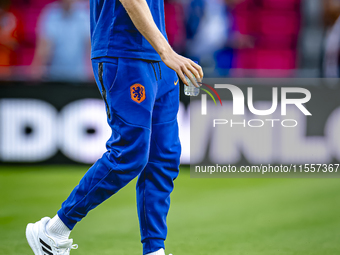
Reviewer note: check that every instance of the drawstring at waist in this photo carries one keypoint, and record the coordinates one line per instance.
(154, 70)
(160, 71)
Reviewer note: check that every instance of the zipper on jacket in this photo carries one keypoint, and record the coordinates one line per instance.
(100, 76)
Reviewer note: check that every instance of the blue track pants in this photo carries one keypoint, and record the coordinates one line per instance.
(142, 100)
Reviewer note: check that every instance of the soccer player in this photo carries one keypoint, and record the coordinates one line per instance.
(135, 70)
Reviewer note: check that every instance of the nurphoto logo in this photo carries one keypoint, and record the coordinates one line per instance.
(239, 105)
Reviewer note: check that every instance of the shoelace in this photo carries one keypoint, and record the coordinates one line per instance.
(66, 250)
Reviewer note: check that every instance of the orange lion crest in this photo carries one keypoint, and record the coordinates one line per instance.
(137, 93)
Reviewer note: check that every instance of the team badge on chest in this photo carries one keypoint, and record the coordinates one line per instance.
(137, 92)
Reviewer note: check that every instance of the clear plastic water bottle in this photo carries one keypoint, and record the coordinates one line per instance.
(191, 90)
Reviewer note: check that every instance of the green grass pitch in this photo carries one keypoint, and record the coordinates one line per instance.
(207, 216)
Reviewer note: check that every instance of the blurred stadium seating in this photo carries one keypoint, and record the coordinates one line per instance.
(288, 35)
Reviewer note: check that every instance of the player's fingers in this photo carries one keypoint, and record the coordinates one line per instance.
(198, 68)
(191, 77)
(195, 73)
(182, 77)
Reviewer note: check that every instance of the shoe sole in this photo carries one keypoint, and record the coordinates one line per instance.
(32, 240)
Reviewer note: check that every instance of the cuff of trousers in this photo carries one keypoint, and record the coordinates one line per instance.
(152, 245)
(69, 223)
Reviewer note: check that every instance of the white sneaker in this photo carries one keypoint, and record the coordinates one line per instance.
(43, 244)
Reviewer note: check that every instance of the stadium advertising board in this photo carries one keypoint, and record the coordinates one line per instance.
(255, 122)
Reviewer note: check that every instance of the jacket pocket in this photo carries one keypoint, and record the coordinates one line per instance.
(104, 93)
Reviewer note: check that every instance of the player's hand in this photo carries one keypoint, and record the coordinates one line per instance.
(183, 66)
